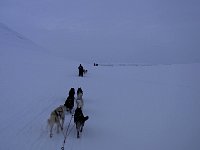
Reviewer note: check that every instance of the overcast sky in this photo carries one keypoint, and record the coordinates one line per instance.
(148, 31)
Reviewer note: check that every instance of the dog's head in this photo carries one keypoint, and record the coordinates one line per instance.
(79, 90)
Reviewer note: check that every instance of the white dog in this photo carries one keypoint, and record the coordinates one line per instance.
(79, 100)
(57, 117)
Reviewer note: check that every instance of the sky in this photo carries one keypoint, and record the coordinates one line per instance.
(129, 107)
(133, 31)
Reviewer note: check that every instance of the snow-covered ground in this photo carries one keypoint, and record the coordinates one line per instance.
(130, 107)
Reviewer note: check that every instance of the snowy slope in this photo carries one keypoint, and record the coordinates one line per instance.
(130, 107)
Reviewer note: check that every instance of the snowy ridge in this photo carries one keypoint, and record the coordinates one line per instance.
(6, 31)
(11, 37)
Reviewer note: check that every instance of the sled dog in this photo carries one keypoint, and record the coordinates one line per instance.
(79, 120)
(85, 71)
(79, 100)
(57, 117)
(79, 125)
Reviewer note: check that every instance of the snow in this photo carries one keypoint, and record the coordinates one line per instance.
(154, 107)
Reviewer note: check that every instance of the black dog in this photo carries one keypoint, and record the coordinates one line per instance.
(85, 71)
(79, 120)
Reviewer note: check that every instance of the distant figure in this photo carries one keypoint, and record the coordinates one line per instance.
(95, 64)
(81, 70)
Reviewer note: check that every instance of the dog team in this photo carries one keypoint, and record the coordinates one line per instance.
(57, 116)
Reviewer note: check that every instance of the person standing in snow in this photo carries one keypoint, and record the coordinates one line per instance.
(81, 70)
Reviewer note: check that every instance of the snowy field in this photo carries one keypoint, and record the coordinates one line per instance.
(130, 107)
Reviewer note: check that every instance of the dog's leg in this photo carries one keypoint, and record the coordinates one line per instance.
(78, 126)
(77, 132)
(57, 124)
(62, 123)
(51, 134)
(51, 128)
(81, 128)
(78, 136)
